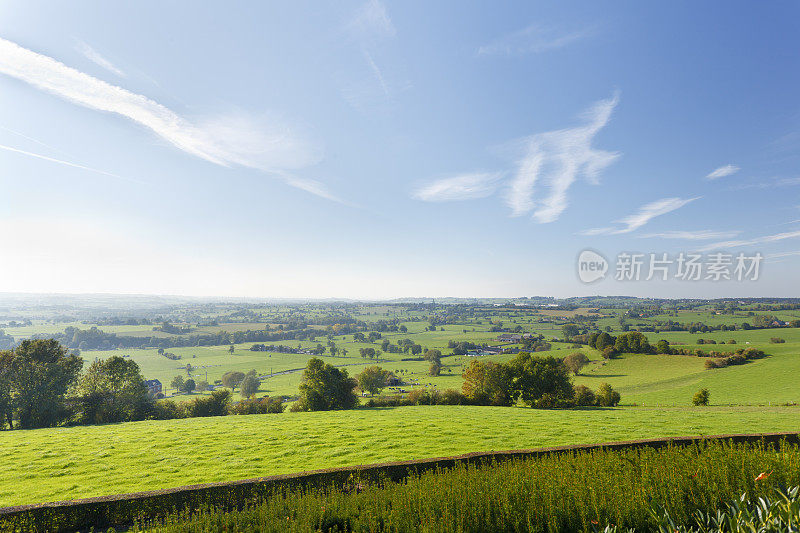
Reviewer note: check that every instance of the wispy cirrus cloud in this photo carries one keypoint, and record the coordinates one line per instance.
(784, 254)
(226, 140)
(699, 235)
(371, 21)
(766, 239)
(534, 39)
(462, 187)
(369, 26)
(64, 162)
(94, 56)
(722, 172)
(642, 216)
(554, 160)
(769, 184)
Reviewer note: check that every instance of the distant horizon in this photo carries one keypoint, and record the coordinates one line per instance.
(373, 300)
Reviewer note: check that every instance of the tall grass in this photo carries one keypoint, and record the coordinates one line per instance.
(581, 491)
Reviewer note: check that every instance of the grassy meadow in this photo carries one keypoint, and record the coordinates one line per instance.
(77, 462)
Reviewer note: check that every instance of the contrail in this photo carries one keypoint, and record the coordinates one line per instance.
(67, 163)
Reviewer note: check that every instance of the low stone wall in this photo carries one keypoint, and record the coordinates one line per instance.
(122, 509)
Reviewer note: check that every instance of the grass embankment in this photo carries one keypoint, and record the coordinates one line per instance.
(80, 462)
(581, 492)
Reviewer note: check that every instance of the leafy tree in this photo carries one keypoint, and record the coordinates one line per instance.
(701, 397)
(113, 390)
(435, 369)
(663, 346)
(434, 356)
(569, 330)
(41, 371)
(326, 387)
(250, 385)
(488, 383)
(606, 396)
(232, 379)
(202, 386)
(539, 379)
(603, 340)
(188, 386)
(177, 383)
(576, 361)
(584, 396)
(632, 342)
(6, 406)
(372, 379)
(231, 348)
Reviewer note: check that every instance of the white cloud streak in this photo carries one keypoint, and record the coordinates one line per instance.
(784, 254)
(767, 239)
(94, 56)
(557, 159)
(699, 235)
(223, 140)
(722, 172)
(371, 21)
(65, 163)
(645, 214)
(533, 39)
(463, 187)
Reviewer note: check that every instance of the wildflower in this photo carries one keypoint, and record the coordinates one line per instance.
(763, 475)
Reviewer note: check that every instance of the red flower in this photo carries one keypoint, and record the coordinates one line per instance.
(763, 475)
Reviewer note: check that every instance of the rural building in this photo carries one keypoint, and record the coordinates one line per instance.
(153, 386)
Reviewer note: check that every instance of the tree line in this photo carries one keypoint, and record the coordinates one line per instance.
(539, 382)
(41, 385)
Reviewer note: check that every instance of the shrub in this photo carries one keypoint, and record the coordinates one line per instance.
(576, 361)
(452, 397)
(419, 397)
(609, 352)
(257, 406)
(216, 404)
(584, 396)
(776, 340)
(607, 397)
(167, 410)
(701, 397)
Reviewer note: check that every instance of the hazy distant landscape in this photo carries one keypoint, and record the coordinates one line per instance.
(171, 339)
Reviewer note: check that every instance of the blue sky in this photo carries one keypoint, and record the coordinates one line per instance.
(377, 149)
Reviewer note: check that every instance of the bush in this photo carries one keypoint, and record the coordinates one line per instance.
(419, 397)
(452, 397)
(701, 397)
(215, 404)
(584, 396)
(776, 340)
(609, 352)
(607, 397)
(257, 406)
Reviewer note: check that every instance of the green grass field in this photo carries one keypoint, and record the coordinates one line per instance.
(66, 463)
